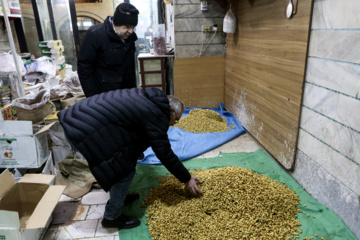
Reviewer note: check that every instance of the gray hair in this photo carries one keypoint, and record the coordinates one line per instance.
(176, 104)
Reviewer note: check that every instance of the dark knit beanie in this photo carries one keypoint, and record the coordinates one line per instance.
(125, 14)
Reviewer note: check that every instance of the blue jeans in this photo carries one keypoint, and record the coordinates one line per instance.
(118, 193)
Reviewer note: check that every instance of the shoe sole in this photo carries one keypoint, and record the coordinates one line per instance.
(131, 226)
(123, 227)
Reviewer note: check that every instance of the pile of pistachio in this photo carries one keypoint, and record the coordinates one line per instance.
(202, 121)
(237, 203)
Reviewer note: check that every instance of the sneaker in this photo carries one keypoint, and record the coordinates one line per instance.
(122, 222)
(131, 197)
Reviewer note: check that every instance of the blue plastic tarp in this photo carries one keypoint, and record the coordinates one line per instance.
(187, 145)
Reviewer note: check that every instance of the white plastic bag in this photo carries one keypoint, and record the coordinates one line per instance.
(34, 101)
(7, 63)
(229, 24)
(46, 65)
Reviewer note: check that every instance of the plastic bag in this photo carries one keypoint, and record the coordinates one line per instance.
(34, 78)
(65, 86)
(36, 108)
(11, 79)
(229, 24)
(73, 83)
(46, 65)
(39, 100)
(8, 64)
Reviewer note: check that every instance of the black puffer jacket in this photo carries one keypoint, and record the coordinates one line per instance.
(106, 62)
(112, 129)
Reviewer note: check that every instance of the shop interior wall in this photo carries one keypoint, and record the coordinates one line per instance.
(199, 82)
(327, 162)
(190, 40)
(199, 56)
(328, 152)
(264, 72)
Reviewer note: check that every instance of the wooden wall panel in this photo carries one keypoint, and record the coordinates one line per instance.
(264, 72)
(199, 81)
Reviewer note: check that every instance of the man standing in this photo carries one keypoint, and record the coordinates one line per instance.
(111, 129)
(107, 55)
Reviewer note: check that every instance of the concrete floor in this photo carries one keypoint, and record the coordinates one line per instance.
(87, 221)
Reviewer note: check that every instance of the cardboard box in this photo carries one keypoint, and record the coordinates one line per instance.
(60, 61)
(56, 55)
(43, 44)
(20, 147)
(46, 168)
(57, 49)
(54, 43)
(26, 207)
(45, 51)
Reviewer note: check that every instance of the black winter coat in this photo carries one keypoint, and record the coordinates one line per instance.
(112, 129)
(106, 62)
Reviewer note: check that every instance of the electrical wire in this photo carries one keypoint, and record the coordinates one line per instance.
(225, 44)
(202, 44)
(208, 43)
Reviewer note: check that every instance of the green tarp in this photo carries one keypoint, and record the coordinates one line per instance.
(321, 220)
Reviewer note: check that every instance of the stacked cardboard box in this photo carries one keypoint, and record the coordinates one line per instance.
(54, 49)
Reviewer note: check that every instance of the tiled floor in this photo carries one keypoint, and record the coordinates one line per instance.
(87, 221)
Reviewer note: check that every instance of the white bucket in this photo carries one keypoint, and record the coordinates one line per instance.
(68, 70)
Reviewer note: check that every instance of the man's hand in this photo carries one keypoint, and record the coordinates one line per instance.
(192, 187)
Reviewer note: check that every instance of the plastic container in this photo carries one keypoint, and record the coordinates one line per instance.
(68, 70)
(159, 40)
